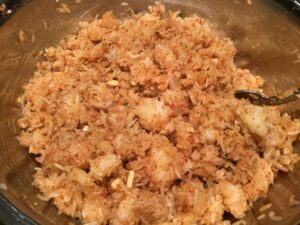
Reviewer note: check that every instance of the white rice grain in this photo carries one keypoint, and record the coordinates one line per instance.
(240, 222)
(130, 179)
(262, 216)
(116, 183)
(21, 36)
(3, 187)
(60, 167)
(124, 4)
(63, 8)
(296, 61)
(274, 217)
(45, 25)
(42, 197)
(294, 52)
(265, 207)
(293, 202)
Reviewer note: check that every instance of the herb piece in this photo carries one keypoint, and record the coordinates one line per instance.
(227, 158)
(126, 104)
(181, 14)
(205, 185)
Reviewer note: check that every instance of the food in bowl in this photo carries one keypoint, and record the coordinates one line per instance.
(135, 122)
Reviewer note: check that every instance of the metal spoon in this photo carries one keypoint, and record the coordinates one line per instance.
(257, 98)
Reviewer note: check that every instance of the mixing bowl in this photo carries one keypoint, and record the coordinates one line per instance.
(266, 35)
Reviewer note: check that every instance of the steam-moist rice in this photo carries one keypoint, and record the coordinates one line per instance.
(135, 122)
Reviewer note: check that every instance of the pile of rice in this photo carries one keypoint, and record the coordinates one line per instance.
(135, 122)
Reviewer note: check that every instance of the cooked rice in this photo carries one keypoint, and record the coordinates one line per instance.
(293, 202)
(45, 25)
(32, 38)
(294, 51)
(124, 4)
(130, 179)
(262, 216)
(272, 216)
(297, 61)
(22, 36)
(240, 222)
(63, 8)
(265, 207)
(135, 122)
(3, 187)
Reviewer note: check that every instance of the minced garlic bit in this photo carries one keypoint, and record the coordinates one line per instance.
(113, 83)
(130, 179)
(85, 128)
(3, 187)
(63, 8)
(116, 183)
(78, 1)
(249, 2)
(21, 36)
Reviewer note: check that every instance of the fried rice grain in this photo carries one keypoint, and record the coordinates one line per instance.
(135, 122)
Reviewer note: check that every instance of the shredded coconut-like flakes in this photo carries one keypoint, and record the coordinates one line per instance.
(45, 25)
(42, 197)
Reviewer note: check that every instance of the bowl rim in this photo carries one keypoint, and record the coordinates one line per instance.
(9, 214)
